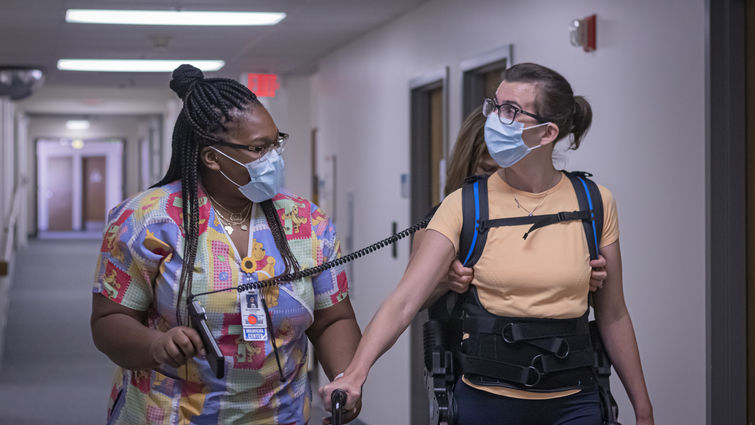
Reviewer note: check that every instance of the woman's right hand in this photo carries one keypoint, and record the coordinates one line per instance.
(459, 277)
(176, 346)
(350, 384)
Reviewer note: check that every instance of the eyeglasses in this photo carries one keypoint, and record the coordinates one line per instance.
(507, 112)
(279, 145)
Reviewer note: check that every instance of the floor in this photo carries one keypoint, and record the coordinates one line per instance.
(51, 373)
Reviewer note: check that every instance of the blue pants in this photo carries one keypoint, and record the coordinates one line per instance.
(477, 407)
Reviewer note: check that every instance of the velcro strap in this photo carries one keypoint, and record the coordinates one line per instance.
(523, 331)
(558, 346)
(549, 363)
(522, 375)
(514, 331)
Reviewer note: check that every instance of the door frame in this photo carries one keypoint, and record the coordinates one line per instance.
(419, 129)
(471, 69)
(726, 213)
(419, 107)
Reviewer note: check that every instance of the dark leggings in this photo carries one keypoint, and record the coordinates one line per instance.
(481, 407)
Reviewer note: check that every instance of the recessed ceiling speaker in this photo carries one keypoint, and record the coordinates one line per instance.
(19, 82)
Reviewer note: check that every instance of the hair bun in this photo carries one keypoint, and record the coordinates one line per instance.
(184, 77)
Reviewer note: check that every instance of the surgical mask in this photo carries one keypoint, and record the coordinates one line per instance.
(504, 141)
(265, 176)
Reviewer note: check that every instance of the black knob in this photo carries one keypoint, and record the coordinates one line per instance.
(337, 400)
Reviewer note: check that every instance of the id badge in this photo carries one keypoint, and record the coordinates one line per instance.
(253, 320)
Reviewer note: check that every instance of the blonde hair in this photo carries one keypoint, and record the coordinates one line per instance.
(468, 149)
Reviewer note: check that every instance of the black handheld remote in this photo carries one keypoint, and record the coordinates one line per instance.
(199, 323)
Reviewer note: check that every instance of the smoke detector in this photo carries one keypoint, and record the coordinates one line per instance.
(19, 82)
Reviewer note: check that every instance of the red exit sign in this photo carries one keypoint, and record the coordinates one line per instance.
(263, 85)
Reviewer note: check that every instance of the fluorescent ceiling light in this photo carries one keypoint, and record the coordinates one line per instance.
(172, 17)
(134, 65)
(77, 124)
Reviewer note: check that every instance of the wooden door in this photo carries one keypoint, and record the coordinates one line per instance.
(427, 176)
(436, 144)
(60, 192)
(492, 79)
(93, 197)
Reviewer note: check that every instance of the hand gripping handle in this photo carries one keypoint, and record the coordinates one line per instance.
(338, 401)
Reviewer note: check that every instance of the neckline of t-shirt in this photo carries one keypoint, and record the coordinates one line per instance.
(532, 195)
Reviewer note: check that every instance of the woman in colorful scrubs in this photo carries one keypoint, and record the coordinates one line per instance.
(218, 219)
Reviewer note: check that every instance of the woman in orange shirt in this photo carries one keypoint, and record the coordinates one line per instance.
(539, 283)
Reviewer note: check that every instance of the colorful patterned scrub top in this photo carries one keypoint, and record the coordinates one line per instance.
(139, 267)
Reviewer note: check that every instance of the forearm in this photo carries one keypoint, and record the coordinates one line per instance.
(438, 292)
(125, 341)
(336, 345)
(397, 311)
(621, 345)
(392, 318)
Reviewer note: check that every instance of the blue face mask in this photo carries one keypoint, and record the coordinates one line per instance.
(505, 142)
(265, 176)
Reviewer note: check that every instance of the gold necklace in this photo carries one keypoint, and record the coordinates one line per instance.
(228, 225)
(519, 204)
(237, 219)
(235, 216)
(529, 212)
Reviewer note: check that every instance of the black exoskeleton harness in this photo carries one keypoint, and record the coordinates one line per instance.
(541, 355)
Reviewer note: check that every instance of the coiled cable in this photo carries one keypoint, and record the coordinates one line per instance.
(290, 277)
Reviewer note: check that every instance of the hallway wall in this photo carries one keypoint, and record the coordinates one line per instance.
(8, 160)
(647, 144)
(8, 171)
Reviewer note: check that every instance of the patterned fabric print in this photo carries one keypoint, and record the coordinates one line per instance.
(139, 267)
(326, 251)
(221, 265)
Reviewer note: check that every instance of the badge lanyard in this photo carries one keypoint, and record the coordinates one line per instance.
(256, 322)
(253, 317)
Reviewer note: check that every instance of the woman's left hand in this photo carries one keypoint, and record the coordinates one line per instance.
(353, 388)
(649, 421)
(598, 273)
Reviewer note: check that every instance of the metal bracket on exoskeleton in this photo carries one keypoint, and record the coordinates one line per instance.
(439, 376)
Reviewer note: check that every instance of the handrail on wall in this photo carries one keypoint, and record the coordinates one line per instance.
(9, 228)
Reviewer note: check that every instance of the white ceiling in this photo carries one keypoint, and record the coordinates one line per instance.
(35, 33)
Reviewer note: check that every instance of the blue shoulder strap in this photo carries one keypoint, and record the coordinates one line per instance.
(589, 198)
(474, 197)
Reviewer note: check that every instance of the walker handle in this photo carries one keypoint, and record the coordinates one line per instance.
(337, 403)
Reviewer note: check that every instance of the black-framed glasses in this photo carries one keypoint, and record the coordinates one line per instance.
(279, 145)
(506, 112)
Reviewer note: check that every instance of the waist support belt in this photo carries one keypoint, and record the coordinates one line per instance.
(526, 353)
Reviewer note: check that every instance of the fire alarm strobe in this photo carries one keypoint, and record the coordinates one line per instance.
(582, 33)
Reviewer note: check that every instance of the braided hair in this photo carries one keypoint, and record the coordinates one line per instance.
(207, 107)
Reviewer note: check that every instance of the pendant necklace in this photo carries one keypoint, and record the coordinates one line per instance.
(237, 219)
(529, 212)
(519, 204)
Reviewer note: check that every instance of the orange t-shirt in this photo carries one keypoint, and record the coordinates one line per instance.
(545, 276)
